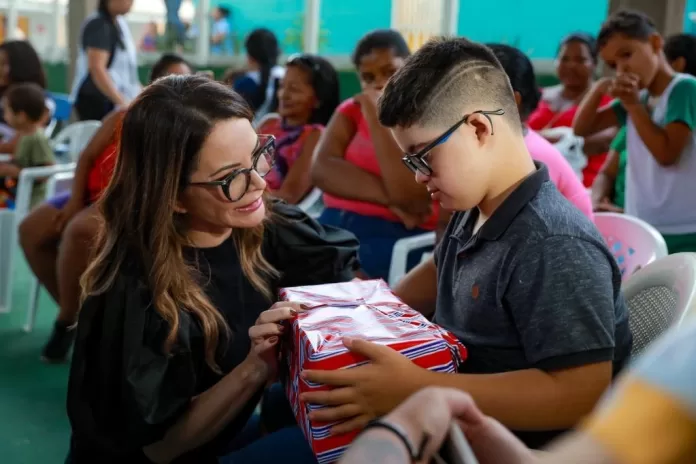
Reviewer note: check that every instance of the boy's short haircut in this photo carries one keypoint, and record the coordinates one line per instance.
(630, 23)
(442, 81)
(27, 98)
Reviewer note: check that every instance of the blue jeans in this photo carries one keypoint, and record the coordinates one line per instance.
(377, 237)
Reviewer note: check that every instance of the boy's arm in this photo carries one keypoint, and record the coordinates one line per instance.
(590, 118)
(9, 170)
(667, 143)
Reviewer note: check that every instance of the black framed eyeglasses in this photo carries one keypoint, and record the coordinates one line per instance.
(416, 162)
(235, 184)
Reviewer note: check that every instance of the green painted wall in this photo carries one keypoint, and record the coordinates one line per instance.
(57, 79)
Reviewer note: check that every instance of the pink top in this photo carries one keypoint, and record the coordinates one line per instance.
(289, 144)
(560, 171)
(361, 153)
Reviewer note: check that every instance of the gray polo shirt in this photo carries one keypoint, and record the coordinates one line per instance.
(535, 287)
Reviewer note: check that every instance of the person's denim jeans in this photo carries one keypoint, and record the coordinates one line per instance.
(173, 19)
(377, 237)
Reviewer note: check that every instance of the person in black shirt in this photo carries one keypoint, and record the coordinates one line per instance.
(175, 339)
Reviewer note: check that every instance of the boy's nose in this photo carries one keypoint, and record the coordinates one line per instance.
(422, 178)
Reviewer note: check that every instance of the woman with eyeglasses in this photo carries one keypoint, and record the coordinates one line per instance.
(178, 334)
(308, 96)
(357, 164)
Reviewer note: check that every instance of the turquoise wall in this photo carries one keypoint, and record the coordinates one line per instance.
(536, 26)
(689, 26)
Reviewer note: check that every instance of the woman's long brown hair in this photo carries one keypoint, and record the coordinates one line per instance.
(161, 136)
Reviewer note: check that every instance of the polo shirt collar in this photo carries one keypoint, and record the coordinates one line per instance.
(503, 216)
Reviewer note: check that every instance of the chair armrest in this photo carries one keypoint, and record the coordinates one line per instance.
(400, 254)
(25, 184)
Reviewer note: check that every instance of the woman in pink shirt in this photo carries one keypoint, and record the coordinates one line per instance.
(521, 73)
(357, 164)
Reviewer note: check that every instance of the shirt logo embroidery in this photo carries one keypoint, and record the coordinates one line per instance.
(475, 291)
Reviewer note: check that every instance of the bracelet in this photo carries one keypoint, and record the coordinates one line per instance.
(416, 455)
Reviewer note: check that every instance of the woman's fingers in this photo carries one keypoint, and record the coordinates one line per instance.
(279, 312)
(265, 330)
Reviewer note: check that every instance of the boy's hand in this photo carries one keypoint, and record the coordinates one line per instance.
(365, 392)
(603, 85)
(626, 87)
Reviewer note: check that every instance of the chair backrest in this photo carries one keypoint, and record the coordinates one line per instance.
(76, 136)
(59, 183)
(312, 203)
(401, 250)
(633, 242)
(659, 296)
(63, 107)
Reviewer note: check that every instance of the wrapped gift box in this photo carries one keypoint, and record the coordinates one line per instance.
(360, 309)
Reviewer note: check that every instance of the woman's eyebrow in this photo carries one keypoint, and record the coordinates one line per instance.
(224, 168)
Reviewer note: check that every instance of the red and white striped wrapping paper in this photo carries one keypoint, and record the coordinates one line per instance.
(361, 309)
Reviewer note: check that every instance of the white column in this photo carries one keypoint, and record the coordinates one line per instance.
(394, 14)
(12, 18)
(312, 20)
(203, 22)
(450, 17)
(54, 31)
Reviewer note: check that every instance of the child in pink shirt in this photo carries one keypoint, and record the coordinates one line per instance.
(521, 73)
(560, 171)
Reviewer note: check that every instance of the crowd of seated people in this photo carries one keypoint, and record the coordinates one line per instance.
(182, 226)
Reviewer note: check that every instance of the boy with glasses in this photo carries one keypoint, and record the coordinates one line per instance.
(521, 276)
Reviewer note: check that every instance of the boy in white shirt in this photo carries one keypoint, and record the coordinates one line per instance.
(658, 107)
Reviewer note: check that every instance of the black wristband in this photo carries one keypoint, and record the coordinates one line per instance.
(416, 455)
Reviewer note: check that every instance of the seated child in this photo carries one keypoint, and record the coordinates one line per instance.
(522, 277)
(658, 107)
(24, 108)
(307, 97)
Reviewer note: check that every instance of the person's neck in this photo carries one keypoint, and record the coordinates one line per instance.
(663, 77)
(207, 237)
(28, 129)
(517, 166)
(253, 66)
(296, 121)
(574, 93)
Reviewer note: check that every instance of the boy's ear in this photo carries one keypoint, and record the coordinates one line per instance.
(656, 42)
(482, 126)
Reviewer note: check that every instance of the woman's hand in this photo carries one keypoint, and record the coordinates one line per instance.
(606, 206)
(266, 333)
(69, 211)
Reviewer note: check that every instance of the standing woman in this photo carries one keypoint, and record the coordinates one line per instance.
(575, 65)
(258, 85)
(106, 75)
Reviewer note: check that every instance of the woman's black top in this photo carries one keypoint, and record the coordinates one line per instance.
(124, 392)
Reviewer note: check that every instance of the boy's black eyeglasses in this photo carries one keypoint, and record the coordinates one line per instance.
(235, 184)
(416, 161)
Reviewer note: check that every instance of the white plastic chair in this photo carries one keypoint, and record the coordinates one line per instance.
(10, 220)
(312, 203)
(58, 183)
(402, 248)
(75, 137)
(633, 242)
(660, 296)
